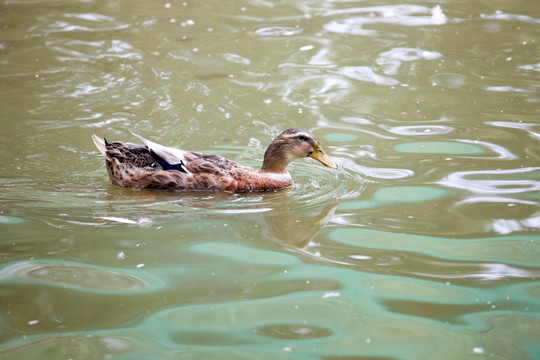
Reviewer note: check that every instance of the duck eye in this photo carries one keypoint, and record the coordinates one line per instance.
(302, 138)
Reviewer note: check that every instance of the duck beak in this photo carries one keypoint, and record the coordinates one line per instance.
(319, 155)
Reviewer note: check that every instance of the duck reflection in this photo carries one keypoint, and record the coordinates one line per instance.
(295, 224)
(290, 219)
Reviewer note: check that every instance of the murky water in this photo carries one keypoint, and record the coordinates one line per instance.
(424, 244)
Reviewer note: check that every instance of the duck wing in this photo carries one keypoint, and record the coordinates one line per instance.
(168, 157)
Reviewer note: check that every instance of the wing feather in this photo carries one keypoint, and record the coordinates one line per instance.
(170, 155)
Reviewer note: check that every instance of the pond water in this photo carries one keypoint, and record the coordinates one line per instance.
(424, 244)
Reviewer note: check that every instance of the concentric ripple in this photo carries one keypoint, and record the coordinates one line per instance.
(78, 276)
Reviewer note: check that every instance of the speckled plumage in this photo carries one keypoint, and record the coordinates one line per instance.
(142, 167)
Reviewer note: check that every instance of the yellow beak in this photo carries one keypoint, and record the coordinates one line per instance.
(319, 155)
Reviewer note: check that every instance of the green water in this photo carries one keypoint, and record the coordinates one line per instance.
(424, 244)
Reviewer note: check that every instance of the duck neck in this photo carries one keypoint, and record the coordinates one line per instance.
(275, 161)
(274, 168)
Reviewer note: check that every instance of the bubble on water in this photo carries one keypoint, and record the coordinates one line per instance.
(144, 222)
(330, 294)
(306, 48)
(478, 350)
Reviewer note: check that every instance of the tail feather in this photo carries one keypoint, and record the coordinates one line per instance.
(100, 144)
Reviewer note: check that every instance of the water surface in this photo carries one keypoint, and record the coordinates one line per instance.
(424, 244)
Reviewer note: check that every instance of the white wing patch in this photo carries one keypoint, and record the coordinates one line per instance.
(171, 155)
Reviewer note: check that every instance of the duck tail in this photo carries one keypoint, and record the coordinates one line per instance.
(101, 144)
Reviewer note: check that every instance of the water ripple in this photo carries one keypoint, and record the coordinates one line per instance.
(497, 182)
(500, 15)
(407, 15)
(277, 30)
(364, 73)
(532, 129)
(83, 22)
(293, 331)
(354, 172)
(419, 130)
(78, 276)
(518, 251)
(392, 59)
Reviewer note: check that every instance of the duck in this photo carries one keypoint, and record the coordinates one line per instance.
(157, 167)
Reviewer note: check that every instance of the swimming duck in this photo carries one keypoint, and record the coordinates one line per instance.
(154, 166)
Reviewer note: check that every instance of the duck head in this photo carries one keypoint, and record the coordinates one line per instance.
(290, 145)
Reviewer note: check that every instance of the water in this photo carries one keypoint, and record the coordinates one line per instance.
(424, 244)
